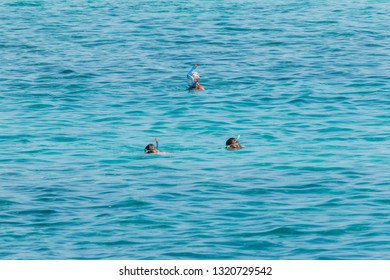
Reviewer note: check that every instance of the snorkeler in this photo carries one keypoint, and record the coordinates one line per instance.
(232, 144)
(193, 78)
(153, 149)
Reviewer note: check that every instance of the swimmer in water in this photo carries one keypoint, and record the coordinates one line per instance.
(153, 149)
(193, 78)
(232, 144)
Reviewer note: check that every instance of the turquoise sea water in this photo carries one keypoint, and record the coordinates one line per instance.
(86, 85)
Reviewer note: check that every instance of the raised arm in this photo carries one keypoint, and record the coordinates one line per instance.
(189, 74)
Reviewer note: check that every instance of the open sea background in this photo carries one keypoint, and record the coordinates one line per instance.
(86, 85)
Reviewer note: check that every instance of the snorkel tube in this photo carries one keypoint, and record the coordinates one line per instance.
(156, 139)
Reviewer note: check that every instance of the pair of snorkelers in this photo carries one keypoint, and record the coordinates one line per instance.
(193, 78)
(232, 144)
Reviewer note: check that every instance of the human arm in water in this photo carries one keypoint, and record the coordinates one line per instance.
(189, 76)
(192, 70)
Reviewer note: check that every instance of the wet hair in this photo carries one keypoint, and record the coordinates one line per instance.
(232, 144)
(151, 149)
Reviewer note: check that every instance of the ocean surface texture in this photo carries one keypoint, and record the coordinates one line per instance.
(86, 85)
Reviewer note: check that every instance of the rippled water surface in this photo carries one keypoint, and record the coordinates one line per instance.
(86, 85)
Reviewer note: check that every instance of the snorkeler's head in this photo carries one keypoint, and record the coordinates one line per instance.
(232, 144)
(151, 149)
(196, 76)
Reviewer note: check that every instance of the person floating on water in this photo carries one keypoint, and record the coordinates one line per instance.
(232, 144)
(153, 149)
(193, 78)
